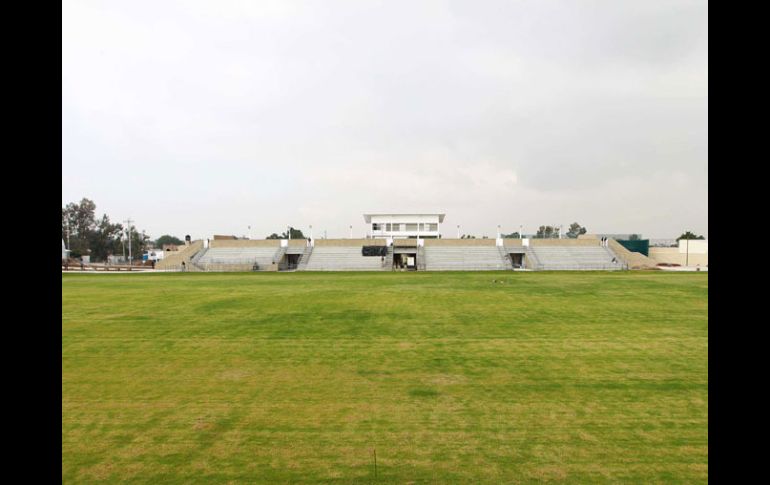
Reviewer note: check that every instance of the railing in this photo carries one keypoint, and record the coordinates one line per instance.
(582, 267)
(507, 261)
(305, 258)
(220, 265)
(278, 257)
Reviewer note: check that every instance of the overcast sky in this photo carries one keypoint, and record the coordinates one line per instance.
(204, 118)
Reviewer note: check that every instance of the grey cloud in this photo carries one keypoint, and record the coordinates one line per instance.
(268, 113)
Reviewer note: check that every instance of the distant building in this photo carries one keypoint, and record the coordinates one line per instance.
(427, 226)
(153, 255)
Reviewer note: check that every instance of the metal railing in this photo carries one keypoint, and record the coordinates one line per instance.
(581, 267)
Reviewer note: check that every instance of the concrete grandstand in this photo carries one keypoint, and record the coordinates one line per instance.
(396, 247)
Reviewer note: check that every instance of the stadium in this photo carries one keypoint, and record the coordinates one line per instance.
(413, 242)
(212, 333)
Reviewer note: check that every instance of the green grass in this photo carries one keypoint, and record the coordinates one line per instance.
(453, 378)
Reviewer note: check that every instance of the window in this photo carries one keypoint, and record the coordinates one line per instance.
(411, 227)
(376, 226)
(432, 227)
(422, 226)
(387, 227)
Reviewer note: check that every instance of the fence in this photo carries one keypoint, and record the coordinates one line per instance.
(581, 267)
(230, 265)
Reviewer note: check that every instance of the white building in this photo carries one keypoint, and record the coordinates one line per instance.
(404, 225)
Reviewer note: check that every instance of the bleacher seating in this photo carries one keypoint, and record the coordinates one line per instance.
(575, 258)
(263, 256)
(459, 258)
(341, 258)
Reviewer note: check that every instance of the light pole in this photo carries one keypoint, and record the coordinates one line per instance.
(458, 231)
(128, 228)
(68, 234)
(288, 231)
(311, 231)
(351, 231)
(521, 231)
(249, 232)
(687, 254)
(498, 231)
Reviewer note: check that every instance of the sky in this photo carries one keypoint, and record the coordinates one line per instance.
(202, 117)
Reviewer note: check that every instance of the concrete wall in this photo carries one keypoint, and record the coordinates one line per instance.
(673, 256)
(246, 243)
(632, 259)
(696, 246)
(510, 242)
(349, 242)
(459, 242)
(297, 243)
(408, 243)
(564, 242)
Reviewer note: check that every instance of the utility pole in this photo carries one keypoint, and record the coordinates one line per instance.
(68, 234)
(687, 255)
(128, 228)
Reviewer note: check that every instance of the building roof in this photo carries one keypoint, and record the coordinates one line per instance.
(368, 217)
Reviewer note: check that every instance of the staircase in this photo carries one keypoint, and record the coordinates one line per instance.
(505, 257)
(535, 263)
(195, 259)
(278, 257)
(173, 260)
(305, 258)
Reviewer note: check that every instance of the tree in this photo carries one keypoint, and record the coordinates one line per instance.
(467, 236)
(138, 243)
(79, 220)
(634, 237)
(689, 235)
(104, 239)
(167, 239)
(295, 234)
(546, 232)
(575, 230)
(513, 235)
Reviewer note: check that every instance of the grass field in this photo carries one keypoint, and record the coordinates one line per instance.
(450, 377)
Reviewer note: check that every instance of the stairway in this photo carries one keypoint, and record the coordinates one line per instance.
(536, 264)
(278, 257)
(305, 258)
(505, 257)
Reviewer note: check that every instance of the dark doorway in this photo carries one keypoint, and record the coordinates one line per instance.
(517, 260)
(292, 260)
(405, 261)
